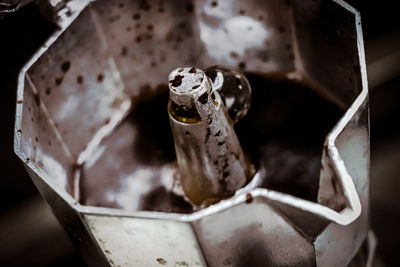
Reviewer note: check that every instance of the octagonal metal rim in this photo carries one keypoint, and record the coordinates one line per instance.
(343, 217)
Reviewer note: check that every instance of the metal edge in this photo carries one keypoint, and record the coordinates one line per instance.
(338, 163)
(20, 97)
(343, 218)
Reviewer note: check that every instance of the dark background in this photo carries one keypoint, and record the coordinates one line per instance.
(30, 235)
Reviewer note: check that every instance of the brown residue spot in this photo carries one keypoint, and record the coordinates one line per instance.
(203, 98)
(107, 251)
(144, 5)
(180, 70)
(182, 263)
(177, 80)
(37, 99)
(153, 64)
(208, 133)
(161, 10)
(36, 139)
(225, 174)
(220, 143)
(242, 12)
(228, 261)
(288, 46)
(192, 70)
(43, 77)
(260, 17)
(138, 39)
(189, 8)
(59, 81)
(79, 79)
(264, 55)
(20, 102)
(65, 66)
(100, 78)
(214, 3)
(136, 16)
(27, 160)
(161, 261)
(233, 54)
(106, 121)
(121, 5)
(150, 27)
(291, 56)
(196, 86)
(124, 51)
(169, 36)
(242, 65)
(187, 132)
(281, 29)
(48, 91)
(19, 131)
(249, 198)
(128, 29)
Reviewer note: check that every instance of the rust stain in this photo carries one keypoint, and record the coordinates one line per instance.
(161, 261)
(249, 198)
(177, 80)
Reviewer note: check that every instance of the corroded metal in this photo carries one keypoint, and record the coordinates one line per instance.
(92, 146)
(210, 159)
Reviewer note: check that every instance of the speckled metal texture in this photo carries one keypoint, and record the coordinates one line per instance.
(78, 108)
(209, 156)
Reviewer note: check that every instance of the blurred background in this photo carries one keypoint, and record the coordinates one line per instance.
(31, 236)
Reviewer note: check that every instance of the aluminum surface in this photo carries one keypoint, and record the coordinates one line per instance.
(110, 60)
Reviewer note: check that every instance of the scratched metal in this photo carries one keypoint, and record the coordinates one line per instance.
(79, 90)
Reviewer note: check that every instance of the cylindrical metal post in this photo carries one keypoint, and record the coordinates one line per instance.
(210, 158)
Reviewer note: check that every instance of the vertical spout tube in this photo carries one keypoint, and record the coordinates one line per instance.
(210, 158)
